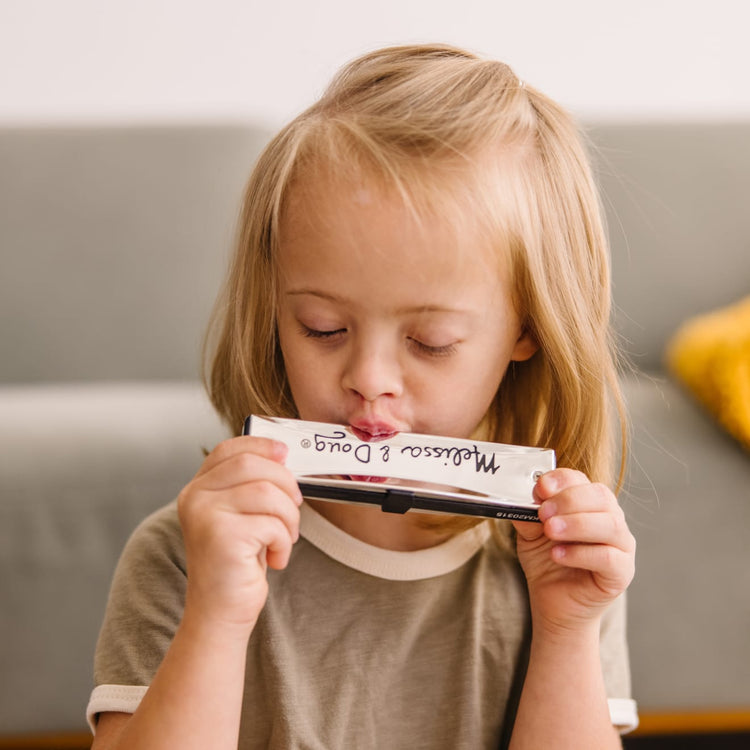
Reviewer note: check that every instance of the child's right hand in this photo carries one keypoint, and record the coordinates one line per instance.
(239, 514)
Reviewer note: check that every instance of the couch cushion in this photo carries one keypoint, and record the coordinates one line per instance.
(687, 504)
(80, 467)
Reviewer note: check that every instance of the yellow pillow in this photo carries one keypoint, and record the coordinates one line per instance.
(710, 355)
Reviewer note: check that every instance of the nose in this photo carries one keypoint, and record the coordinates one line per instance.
(373, 371)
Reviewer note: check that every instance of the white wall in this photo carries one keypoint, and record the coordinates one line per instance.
(145, 60)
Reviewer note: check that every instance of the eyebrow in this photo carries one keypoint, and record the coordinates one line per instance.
(304, 291)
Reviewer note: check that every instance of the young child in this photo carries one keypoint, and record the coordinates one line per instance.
(422, 250)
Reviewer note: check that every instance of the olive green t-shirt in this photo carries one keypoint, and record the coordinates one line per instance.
(356, 647)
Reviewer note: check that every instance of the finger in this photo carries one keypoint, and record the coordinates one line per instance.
(553, 482)
(269, 539)
(246, 467)
(590, 528)
(263, 498)
(581, 498)
(546, 487)
(278, 559)
(265, 447)
(612, 567)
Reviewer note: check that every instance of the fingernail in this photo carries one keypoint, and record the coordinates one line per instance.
(280, 450)
(557, 525)
(550, 484)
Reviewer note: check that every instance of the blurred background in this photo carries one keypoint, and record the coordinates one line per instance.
(155, 60)
(127, 130)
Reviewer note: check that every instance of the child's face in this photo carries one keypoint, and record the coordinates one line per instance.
(386, 324)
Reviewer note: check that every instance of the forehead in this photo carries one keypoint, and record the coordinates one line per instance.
(356, 242)
(357, 217)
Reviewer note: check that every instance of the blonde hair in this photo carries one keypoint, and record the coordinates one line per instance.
(438, 123)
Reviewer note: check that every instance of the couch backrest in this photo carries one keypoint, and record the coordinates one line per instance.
(113, 240)
(113, 245)
(678, 203)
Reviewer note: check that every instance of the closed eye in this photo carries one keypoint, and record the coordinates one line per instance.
(432, 351)
(314, 333)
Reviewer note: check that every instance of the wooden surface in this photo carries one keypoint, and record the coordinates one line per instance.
(48, 741)
(693, 722)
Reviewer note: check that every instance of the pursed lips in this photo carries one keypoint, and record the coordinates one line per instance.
(371, 432)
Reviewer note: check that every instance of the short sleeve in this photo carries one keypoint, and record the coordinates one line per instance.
(144, 609)
(616, 666)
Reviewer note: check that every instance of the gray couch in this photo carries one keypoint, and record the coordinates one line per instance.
(112, 243)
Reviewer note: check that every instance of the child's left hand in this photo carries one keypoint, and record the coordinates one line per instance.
(582, 555)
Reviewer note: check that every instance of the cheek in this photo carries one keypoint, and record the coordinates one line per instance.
(300, 373)
(480, 388)
(291, 342)
(308, 376)
(301, 386)
(293, 358)
(457, 399)
(475, 386)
